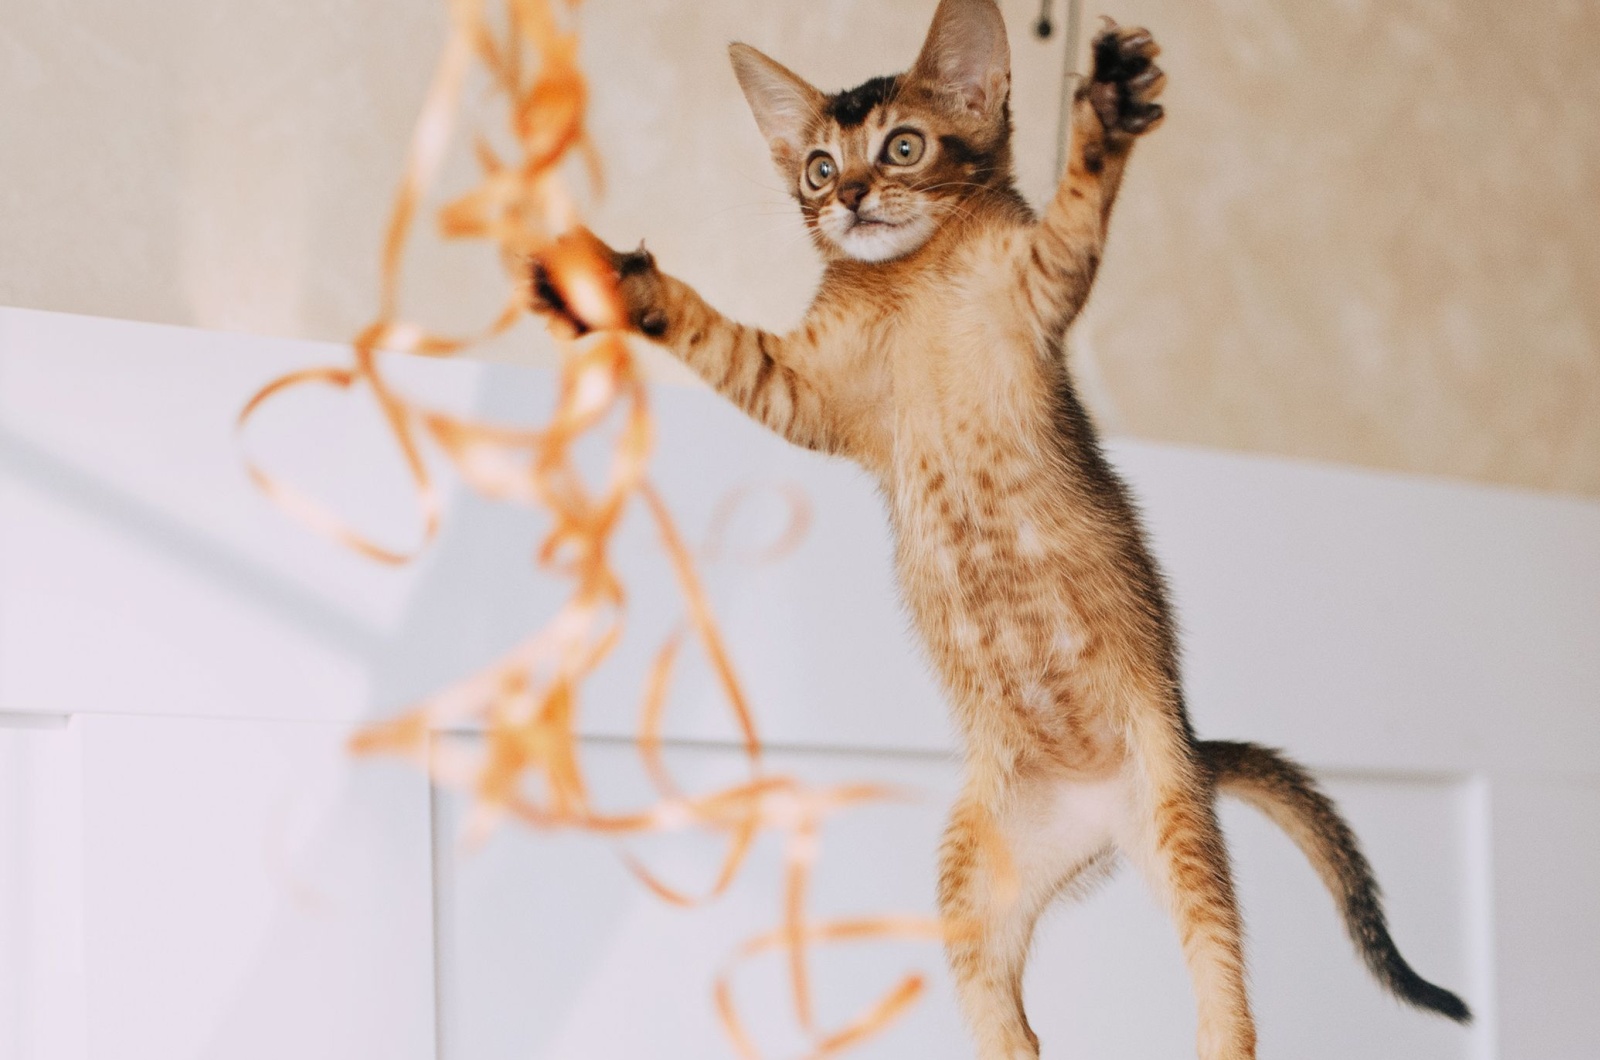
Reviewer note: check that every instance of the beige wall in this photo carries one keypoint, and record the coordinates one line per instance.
(1367, 233)
(1370, 232)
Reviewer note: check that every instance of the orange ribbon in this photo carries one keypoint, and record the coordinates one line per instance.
(527, 704)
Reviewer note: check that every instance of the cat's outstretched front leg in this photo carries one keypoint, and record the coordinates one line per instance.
(756, 370)
(1113, 107)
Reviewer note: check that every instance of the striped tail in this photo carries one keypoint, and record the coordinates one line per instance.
(1284, 792)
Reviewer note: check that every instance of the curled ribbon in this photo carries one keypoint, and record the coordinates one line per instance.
(527, 704)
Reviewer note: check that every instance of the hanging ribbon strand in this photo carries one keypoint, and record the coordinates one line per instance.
(527, 766)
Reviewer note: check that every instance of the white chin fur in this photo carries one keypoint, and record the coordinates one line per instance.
(878, 242)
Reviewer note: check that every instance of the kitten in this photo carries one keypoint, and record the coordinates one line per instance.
(933, 357)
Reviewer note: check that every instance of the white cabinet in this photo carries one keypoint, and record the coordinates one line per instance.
(210, 888)
(1544, 927)
(191, 867)
(550, 951)
(43, 971)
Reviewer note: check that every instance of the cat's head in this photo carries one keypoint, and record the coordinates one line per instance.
(879, 168)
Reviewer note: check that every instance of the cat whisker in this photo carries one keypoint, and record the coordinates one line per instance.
(786, 193)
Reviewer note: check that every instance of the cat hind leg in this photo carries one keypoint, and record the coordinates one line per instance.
(1004, 860)
(1172, 834)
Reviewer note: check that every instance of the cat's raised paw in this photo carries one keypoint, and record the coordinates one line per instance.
(579, 284)
(1126, 80)
(639, 283)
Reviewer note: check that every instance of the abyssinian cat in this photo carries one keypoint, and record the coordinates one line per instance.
(933, 356)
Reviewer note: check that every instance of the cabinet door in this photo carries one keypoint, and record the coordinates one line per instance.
(43, 971)
(549, 950)
(191, 889)
(236, 872)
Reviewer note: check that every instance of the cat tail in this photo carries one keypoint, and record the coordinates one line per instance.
(1285, 792)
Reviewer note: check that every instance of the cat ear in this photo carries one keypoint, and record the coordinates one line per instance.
(784, 104)
(966, 54)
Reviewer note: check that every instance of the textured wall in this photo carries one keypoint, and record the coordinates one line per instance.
(209, 162)
(1367, 233)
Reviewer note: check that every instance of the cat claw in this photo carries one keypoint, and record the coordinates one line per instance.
(636, 262)
(546, 300)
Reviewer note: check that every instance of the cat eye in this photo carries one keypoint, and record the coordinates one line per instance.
(904, 149)
(820, 170)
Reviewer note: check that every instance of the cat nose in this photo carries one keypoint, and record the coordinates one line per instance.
(852, 193)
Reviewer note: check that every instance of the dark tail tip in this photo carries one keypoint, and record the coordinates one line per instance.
(1413, 989)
